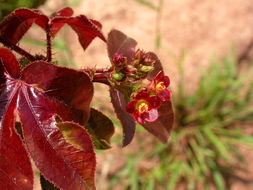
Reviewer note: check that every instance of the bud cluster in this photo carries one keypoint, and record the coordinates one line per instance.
(133, 70)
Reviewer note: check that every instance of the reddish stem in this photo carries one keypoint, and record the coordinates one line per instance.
(49, 44)
(17, 49)
(101, 78)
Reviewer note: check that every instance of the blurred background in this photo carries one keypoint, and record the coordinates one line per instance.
(206, 48)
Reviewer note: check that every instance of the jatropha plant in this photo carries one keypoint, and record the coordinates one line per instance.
(45, 113)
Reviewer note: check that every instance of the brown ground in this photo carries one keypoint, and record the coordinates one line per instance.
(201, 28)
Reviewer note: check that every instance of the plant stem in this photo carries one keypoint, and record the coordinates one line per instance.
(49, 48)
(101, 78)
(17, 49)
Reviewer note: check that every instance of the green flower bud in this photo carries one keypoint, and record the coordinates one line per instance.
(118, 76)
(146, 69)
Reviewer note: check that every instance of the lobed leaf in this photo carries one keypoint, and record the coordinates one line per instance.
(127, 121)
(85, 28)
(72, 87)
(15, 167)
(15, 25)
(63, 152)
(62, 163)
(19, 21)
(101, 128)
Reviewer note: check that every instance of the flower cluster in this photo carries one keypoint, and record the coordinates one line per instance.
(137, 68)
(148, 99)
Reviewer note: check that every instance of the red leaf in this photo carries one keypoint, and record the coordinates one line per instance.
(67, 12)
(15, 167)
(55, 27)
(12, 68)
(72, 87)
(119, 43)
(59, 161)
(162, 127)
(85, 28)
(63, 152)
(127, 121)
(18, 23)
(15, 25)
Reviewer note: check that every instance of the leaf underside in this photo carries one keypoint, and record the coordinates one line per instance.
(126, 119)
(101, 129)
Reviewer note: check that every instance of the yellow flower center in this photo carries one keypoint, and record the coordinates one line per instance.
(160, 86)
(142, 106)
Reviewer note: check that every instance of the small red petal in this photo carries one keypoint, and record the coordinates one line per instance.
(164, 95)
(139, 117)
(130, 108)
(166, 80)
(151, 116)
(142, 95)
(154, 101)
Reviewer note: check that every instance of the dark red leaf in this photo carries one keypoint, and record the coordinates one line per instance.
(119, 43)
(68, 165)
(15, 167)
(63, 152)
(85, 28)
(55, 27)
(119, 103)
(72, 87)
(162, 127)
(101, 128)
(12, 68)
(19, 21)
(14, 26)
(67, 12)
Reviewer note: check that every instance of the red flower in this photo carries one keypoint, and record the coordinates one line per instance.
(144, 107)
(159, 85)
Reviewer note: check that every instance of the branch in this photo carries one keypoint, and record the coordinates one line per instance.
(17, 49)
(101, 78)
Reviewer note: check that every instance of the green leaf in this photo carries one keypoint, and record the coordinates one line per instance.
(176, 172)
(221, 148)
(218, 180)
